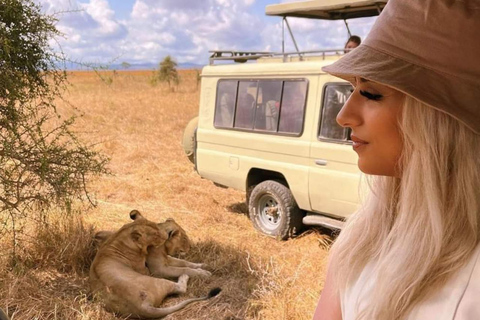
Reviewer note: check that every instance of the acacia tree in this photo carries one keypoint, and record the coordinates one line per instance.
(167, 71)
(42, 163)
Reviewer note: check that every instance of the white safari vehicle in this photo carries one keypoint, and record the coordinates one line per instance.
(267, 127)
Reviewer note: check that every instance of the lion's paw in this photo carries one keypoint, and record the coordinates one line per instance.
(200, 265)
(183, 278)
(203, 273)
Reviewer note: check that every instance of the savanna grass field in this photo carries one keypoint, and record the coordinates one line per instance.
(139, 124)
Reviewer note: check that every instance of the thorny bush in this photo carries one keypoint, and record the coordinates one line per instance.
(42, 162)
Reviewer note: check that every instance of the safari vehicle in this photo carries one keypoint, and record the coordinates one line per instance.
(268, 127)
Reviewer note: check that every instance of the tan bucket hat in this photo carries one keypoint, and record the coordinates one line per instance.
(428, 49)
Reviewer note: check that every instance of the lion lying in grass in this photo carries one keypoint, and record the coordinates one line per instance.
(160, 260)
(118, 275)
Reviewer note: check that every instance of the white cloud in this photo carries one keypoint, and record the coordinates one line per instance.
(91, 32)
(100, 11)
(184, 29)
(196, 26)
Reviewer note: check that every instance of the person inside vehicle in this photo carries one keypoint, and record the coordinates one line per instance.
(292, 107)
(352, 43)
(226, 104)
(245, 110)
(411, 251)
(271, 92)
(335, 97)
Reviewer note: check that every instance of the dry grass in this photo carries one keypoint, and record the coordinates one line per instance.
(139, 126)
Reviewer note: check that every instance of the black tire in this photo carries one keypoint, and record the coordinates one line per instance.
(274, 211)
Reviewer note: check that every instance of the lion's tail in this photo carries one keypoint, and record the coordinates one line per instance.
(3, 315)
(152, 312)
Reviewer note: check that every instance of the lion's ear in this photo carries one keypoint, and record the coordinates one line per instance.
(171, 233)
(139, 240)
(102, 236)
(136, 215)
(170, 220)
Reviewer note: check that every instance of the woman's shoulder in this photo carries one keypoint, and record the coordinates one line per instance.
(469, 306)
(457, 299)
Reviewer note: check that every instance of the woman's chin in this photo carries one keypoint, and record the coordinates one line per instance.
(375, 168)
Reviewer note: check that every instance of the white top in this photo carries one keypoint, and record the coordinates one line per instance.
(459, 299)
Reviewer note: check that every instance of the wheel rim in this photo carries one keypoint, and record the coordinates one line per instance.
(269, 212)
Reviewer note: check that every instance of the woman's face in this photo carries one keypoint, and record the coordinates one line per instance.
(373, 112)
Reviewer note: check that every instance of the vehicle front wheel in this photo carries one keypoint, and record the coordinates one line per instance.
(274, 211)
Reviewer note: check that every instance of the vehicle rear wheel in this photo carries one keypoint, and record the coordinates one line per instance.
(274, 211)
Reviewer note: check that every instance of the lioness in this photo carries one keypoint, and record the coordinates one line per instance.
(160, 260)
(119, 277)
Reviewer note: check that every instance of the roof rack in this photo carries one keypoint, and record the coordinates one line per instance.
(244, 56)
(237, 56)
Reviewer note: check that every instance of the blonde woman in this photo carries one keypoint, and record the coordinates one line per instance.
(412, 251)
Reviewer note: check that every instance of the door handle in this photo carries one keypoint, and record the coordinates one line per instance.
(321, 162)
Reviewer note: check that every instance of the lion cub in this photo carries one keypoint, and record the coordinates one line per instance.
(119, 277)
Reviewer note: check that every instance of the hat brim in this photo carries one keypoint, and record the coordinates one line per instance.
(438, 90)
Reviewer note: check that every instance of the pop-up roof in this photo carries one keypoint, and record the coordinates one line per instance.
(327, 9)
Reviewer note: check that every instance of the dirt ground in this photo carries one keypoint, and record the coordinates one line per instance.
(139, 126)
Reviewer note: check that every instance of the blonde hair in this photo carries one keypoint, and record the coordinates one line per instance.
(419, 228)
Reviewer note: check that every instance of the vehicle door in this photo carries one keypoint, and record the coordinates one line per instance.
(333, 172)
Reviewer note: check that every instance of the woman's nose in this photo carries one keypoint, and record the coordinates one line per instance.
(349, 115)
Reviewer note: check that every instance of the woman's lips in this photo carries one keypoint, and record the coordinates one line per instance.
(358, 143)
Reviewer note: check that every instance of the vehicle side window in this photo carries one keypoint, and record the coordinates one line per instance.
(225, 106)
(292, 106)
(276, 106)
(245, 112)
(334, 97)
(268, 105)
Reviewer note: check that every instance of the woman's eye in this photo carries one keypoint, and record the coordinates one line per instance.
(371, 96)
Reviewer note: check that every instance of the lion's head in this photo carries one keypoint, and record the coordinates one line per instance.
(141, 234)
(177, 242)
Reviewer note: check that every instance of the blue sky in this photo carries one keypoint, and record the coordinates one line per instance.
(145, 31)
